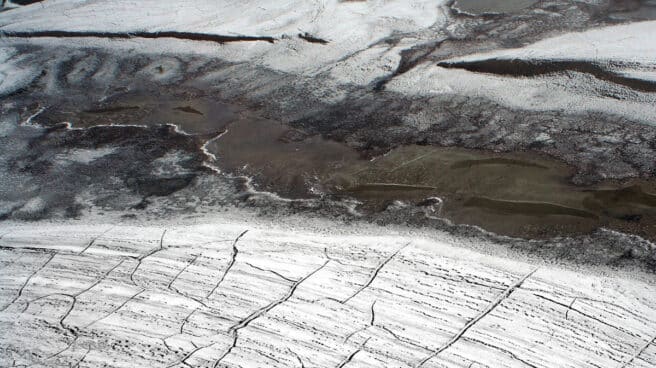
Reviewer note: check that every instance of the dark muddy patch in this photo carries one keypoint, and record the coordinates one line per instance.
(113, 109)
(193, 115)
(632, 10)
(188, 109)
(519, 194)
(388, 187)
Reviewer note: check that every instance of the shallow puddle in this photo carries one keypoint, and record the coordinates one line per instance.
(518, 194)
(283, 160)
(478, 7)
(632, 10)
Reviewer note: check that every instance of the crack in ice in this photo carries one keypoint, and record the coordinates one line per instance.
(233, 259)
(373, 275)
(478, 317)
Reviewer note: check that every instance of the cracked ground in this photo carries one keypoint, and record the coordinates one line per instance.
(239, 294)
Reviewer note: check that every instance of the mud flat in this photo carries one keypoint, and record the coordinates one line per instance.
(195, 115)
(521, 194)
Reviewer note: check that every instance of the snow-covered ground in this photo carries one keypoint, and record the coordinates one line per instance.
(348, 26)
(231, 292)
(630, 46)
(626, 43)
(356, 51)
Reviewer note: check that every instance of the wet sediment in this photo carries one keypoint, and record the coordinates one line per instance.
(512, 189)
(517, 194)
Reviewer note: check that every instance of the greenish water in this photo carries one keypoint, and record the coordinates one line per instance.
(518, 194)
(478, 7)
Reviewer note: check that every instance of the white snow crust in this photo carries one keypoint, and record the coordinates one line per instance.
(349, 26)
(629, 43)
(355, 53)
(246, 293)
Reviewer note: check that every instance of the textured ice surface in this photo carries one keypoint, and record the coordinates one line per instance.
(244, 293)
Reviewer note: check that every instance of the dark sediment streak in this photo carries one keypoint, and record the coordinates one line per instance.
(529, 208)
(409, 59)
(191, 36)
(312, 39)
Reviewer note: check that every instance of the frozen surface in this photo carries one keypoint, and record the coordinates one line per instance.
(362, 42)
(627, 50)
(348, 26)
(13, 77)
(626, 43)
(235, 293)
